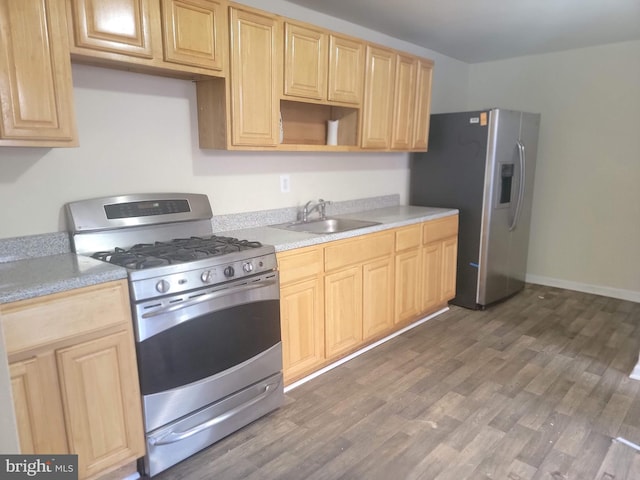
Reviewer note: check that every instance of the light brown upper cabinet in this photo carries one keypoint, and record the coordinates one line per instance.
(346, 70)
(194, 32)
(121, 27)
(404, 102)
(320, 65)
(378, 98)
(254, 63)
(397, 101)
(322, 79)
(36, 92)
(305, 62)
(422, 105)
(176, 37)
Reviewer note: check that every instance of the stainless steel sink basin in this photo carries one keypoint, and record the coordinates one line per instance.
(327, 225)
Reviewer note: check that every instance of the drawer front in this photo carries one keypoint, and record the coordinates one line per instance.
(37, 322)
(408, 237)
(441, 228)
(358, 250)
(299, 263)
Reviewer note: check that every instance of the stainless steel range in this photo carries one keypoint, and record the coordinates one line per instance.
(206, 315)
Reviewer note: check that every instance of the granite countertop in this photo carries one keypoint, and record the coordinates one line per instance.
(57, 270)
(35, 277)
(388, 217)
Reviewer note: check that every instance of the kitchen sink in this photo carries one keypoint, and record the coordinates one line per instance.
(326, 225)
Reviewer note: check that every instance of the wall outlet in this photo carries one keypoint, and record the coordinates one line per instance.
(285, 184)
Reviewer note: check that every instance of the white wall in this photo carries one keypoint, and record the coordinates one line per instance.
(138, 133)
(586, 209)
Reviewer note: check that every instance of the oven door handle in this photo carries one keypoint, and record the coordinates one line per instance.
(207, 297)
(174, 437)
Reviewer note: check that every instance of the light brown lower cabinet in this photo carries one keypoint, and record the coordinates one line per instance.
(102, 413)
(343, 311)
(339, 296)
(439, 254)
(358, 280)
(431, 274)
(301, 311)
(408, 280)
(74, 376)
(38, 405)
(377, 298)
(449, 264)
(302, 326)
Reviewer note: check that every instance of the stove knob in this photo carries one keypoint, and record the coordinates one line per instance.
(247, 267)
(229, 272)
(162, 286)
(206, 277)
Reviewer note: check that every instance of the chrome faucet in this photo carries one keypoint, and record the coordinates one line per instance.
(320, 207)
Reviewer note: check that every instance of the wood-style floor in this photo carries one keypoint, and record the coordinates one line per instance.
(534, 388)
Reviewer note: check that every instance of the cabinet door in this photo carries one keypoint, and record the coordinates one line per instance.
(422, 106)
(302, 325)
(37, 405)
(449, 265)
(378, 98)
(193, 32)
(346, 70)
(343, 311)
(377, 298)
(254, 60)
(431, 276)
(441, 243)
(408, 296)
(101, 401)
(305, 62)
(404, 102)
(123, 26)
(36, 100)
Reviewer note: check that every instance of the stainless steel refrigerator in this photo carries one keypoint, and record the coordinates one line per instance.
(482, 163)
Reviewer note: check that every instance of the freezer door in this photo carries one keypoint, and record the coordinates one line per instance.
(499, 206)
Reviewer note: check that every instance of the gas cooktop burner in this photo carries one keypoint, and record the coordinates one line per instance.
(179, 250)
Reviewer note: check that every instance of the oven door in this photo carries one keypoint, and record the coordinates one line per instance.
(197, 348)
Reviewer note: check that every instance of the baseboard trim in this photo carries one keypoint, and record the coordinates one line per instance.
(585, 287)
(362, 350)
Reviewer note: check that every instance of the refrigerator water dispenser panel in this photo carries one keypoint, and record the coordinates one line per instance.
(506, 177)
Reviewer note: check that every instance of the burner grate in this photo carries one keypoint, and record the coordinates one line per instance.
(179, 250)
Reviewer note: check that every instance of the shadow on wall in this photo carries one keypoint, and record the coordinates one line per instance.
(15, 161)
(90, 77)
(220, 162)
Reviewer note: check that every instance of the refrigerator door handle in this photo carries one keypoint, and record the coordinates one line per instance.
(523, 160)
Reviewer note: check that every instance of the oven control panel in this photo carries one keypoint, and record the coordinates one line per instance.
(200, 274)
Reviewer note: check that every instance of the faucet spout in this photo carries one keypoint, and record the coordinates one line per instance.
(320, 207)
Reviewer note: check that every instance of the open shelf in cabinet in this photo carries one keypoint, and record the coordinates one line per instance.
(305, 124)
